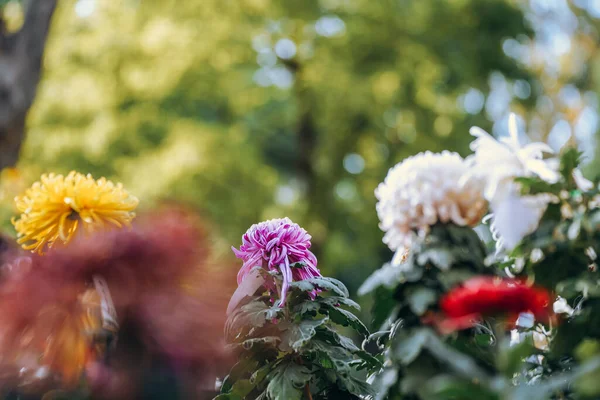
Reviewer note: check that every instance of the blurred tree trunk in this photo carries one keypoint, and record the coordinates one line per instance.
(21, 56)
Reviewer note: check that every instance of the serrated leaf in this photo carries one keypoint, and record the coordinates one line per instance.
(569, 160)
(369, 361)
(342, 372)
(354, 385)
(345, 318)
(249, 343)
(308, 306)
(338, 300)
(420, 299)
(340, 357)
(287, 381)
(251, 315)
(323, 283)
(296, 335)
(328, 335)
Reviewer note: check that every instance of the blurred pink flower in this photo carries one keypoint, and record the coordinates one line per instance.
(275, 245)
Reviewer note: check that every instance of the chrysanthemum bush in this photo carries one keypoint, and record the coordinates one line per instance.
(286, 323)
(459, 323)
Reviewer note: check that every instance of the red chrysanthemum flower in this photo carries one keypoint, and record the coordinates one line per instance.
(491, 296)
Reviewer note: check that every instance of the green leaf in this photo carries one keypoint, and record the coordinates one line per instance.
(341, 367)
(329, 335)
(587, 284)
(385, 308)
(420, 299)
(323, 283)
(484, 339)
(553, 383)
(269, 340)
(448, 387)
(251, 315)
(455, 276)
(510, 359)
(287, 381)
(240, 389)
(296, 335)
(227, 396)
(442, 258)
(238, 371)
(344, 318)
(535, 185)
(460, 363)
(384, 381)
(587, 349)
(569, 160)
(389, 276)
(370, 362)
(308, 306)
(338, 300)
(408, 345)
(354, 385)
(258, 376)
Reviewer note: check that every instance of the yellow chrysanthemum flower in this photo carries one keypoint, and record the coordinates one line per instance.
(55, 207)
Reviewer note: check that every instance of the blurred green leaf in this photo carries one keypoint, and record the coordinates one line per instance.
(511, 358)
(287, 381)
(420, 299)
(408, 345)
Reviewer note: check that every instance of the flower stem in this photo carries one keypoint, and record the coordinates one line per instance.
(307, 392)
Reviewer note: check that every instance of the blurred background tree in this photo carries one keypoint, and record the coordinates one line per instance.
(257, 109)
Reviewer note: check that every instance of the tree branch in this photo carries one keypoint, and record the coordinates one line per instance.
(21, 57)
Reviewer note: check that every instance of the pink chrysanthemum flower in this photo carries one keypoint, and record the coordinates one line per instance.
(275, 245)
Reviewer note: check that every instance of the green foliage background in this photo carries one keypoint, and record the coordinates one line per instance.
(165, 96)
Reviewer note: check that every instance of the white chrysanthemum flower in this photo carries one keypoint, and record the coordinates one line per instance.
(498, 163)
(423, 190)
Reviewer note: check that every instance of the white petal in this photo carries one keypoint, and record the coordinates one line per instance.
(581, 182)
(537, 149)
(513, 129)
(561, 306)
(543, 170)
(515, 218)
